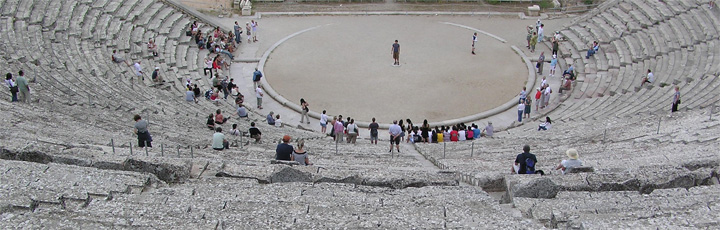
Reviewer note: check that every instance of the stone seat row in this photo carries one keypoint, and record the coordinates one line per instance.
(629, 209)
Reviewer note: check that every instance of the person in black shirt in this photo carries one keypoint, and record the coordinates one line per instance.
(520, 166)
(254, 132)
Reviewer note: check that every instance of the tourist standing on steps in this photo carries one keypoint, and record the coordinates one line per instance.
(12, 86)
(425, 131)
(533, 42)
(238, 32)
(138, 70)
(540, 32)
(530, 33)
(676, 99)
(304, 117)
(474, 39)
(553, 63)
(395, 131)
(141, 130)
(23, 87)
(247, 32)
(323, 121)
(257, 75)
(254, 26)
(540, 63)
(548, 91)
(259, 95)
(521, 109)
(219, 142)
(352, 131)
(395, 51)
(373, 127)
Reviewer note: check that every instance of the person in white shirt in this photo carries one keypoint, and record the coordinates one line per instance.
(278, 122)
(12, 86)
(547, 93)
(323, 121)
(462, 135)
(352, 131)
(649, 79)
(569, 163)
(395, 131)
(259, 94)
(138, 70)
(521, 109)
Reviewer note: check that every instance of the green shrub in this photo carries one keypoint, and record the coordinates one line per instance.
(546, 4)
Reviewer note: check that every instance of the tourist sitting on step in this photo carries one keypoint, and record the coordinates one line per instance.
(650, 78)
(200, 41)
(278, 121)
(593, 49)
(234, 131)
(300, 155)
(219, 119)
(271, 118)
(217, 32)
(152, 47)
(242, 111)
(255, 132)
(545, 125)
(525, 163)
(156, 77)
(222, 51)
(190, 96)
(194, 28)
(488, 130)
(211, 122)
(569, 163)
(566, 85)
(218, 141)
(569, 72)
(284, 150)
(117, 59)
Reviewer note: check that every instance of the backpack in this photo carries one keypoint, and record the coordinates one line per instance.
(207, 94)
(529, 166)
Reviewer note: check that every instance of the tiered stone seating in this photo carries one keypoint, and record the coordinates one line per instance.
(668, 40)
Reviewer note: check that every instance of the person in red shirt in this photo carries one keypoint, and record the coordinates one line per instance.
(454, 135)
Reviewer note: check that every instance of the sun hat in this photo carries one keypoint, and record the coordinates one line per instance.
(572, 154)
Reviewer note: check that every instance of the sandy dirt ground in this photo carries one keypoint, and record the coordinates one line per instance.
(346, 67)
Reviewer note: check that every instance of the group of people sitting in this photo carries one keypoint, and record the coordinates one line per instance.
(216, 41)
(525, 162)
(219, 142)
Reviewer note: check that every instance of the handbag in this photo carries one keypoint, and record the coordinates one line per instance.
(14, 89)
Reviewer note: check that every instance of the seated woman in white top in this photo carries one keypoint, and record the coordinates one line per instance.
(545, 125)
(570, 163)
